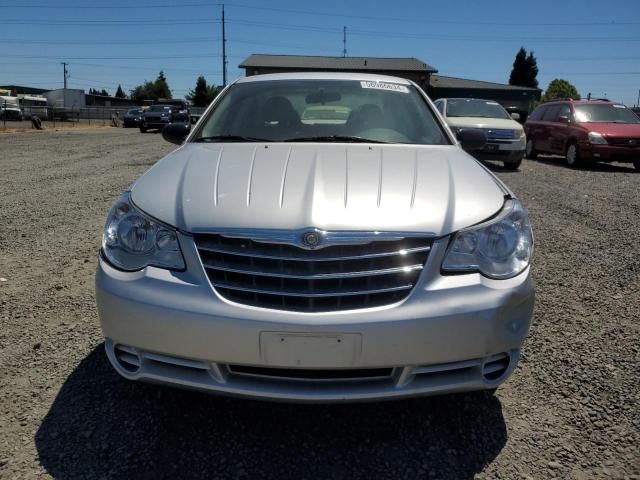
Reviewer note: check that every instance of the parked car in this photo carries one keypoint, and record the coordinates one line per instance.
(505, 136)
(160, 114)
(275, 256)
(585, 130)
(132, 118)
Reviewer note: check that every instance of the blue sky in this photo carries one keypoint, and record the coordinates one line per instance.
(593, 44)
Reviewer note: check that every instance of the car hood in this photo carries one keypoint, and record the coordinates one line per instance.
(614, 129)
(482, 122)
(211, 187)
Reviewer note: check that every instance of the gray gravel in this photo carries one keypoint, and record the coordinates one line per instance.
(570, 411)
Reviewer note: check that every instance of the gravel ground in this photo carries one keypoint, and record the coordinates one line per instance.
(571, 410)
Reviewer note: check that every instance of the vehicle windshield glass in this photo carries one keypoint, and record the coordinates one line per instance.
(475, 108)
(605, 113)
(133, 112)
(323, 110)
(159, 108)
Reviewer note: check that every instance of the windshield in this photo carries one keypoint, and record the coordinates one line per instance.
(323, 110)
(159, 108)
(475, 108)
(134, 112)
(605, 113)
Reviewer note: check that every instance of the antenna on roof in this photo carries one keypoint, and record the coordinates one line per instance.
(344, 41)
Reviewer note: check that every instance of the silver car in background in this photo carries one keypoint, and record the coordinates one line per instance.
(317, 237)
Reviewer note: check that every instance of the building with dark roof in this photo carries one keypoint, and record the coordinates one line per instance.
(410, 68)
(513, 98)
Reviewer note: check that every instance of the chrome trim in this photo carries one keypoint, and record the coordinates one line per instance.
(239, 253)
(230, 286)
(317, 276)
(327, 238)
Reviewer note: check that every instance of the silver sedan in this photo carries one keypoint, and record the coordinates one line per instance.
(317, 237)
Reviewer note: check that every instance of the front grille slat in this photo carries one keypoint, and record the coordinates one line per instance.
(319, 276)
(280, 276)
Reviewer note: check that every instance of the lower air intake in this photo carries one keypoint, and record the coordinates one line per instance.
(496, 366)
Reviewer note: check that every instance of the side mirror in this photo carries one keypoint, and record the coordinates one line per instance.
(515, 116)
(563, 119)
(176, 132)
(472, 139)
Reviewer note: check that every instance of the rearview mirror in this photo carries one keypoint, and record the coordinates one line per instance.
(322, 97)
(563, 119)
(472, 139)
(176, 132)
(515, 116)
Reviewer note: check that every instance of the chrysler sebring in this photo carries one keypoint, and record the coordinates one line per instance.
(317, 237)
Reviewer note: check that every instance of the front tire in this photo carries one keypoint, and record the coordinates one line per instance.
(636, 164)
(531, 152)
(512, 165)
(143, 129)
(573, 155)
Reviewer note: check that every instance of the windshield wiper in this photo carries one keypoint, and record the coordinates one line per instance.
(334, 138)
(230, 138)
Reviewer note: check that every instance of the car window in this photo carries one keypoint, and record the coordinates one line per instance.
(279, 110)
(467, 107)
(551, 114)
(537, 113)
(565, 111)
(605, 113)
(440, 106)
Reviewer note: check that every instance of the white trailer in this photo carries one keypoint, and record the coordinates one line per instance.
(65, 102)
(9, 108)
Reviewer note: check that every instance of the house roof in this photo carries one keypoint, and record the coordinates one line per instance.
(409, 64)
(440, 81)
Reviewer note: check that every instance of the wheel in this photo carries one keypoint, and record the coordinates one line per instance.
(512, 165)
(143, 129)
(530, 151)
(637, 164)
(573, 155)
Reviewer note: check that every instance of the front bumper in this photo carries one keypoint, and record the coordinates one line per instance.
(439, 339)
(609, 153)
(155, 122)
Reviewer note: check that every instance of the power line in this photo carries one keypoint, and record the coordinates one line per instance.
(322, 13)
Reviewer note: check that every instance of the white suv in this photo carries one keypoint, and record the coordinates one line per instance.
(506, 141)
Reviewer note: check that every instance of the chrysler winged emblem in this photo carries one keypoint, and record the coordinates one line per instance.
(311, 239)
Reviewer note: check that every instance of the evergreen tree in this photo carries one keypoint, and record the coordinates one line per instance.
(202, 95)
(120, 93)
(525, 70)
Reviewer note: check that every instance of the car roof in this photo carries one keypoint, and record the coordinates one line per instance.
(468, 98)
(579, 102)
(323, 76)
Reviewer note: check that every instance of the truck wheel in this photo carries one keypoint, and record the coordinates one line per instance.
(143, 129)
(637, 164)
(530, 151)
(512, 165)
(573, 156)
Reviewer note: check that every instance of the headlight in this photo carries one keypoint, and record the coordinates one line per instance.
(596, 138)
(500, 248)
(519, 134)
(133, 241)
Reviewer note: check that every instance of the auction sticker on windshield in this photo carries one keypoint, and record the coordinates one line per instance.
(395, 87)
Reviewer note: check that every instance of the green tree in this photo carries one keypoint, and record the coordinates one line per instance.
(525, 70)
(203, 94)
(104, 93)
(560, 89)
(152, 90)
(120, 93)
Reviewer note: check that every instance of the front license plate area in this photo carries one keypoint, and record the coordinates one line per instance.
(310, 350)
(492, 148)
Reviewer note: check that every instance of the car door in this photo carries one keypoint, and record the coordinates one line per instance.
(559, 133)
(548, 123)
(534, 128)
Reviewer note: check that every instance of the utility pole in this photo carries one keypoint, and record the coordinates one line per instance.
(65, 73)
(224, 52)
(344, 41)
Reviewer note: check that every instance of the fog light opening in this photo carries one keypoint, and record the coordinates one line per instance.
(128, 358)
(495, 367)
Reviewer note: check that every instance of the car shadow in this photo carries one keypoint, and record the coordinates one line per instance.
(102, 426)
(587, 166)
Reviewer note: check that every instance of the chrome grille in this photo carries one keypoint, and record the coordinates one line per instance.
(624, 142)
(499, 134)
(335, 277)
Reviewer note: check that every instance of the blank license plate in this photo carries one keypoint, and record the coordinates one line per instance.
(320, 350)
